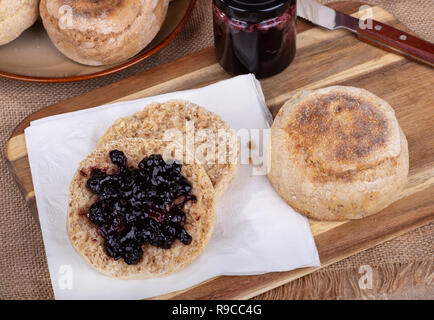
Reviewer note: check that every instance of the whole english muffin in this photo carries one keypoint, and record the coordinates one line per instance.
(158, 119)
(15, 17)
(338, 153)
(84, 236)
(102, 32)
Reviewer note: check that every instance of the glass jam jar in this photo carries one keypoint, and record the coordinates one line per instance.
(255, 36)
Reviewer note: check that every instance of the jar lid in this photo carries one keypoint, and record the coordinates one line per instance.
(254, 10)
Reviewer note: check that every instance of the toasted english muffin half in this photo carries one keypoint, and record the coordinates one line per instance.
(212, 141)
(338, 153)
(156, 262)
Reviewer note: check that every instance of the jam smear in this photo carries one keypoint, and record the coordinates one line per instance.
(140, 205)
(83, 173)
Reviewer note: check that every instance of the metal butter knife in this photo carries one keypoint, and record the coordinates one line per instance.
(379, 34)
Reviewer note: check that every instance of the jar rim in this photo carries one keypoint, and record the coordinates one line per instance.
(254, 10)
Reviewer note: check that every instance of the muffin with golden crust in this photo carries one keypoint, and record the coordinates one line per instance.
(338, 153)
(156, 261)
(102, 32)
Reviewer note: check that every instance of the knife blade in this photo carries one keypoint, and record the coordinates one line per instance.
(379, 35)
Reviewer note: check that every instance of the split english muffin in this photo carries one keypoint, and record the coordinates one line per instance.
(214, 143)
(338, 153)
(102, 32)
(97, 241)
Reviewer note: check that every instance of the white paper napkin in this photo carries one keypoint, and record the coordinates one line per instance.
(256, 231)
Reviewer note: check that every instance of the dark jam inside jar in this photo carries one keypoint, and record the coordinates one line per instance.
(255, 36)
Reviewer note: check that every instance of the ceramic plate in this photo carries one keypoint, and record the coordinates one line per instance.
(33, 57)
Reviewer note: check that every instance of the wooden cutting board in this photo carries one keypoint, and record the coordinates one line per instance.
(324, 58)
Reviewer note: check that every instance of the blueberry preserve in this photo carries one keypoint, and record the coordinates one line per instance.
(140, 205)
(255, 36)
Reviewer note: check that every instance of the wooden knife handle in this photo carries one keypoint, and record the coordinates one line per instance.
(396, 41)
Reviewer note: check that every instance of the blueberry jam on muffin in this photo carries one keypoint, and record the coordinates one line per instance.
(140, 205)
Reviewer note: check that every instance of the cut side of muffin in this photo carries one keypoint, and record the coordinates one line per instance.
(338, 153)
(159, 259)
(212, 141)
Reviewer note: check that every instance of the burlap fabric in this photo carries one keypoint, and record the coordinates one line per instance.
(403, 262)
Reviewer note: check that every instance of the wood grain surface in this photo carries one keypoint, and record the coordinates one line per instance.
(324, 58)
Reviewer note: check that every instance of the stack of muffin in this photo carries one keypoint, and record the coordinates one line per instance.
(89, 32)
(119, 226)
